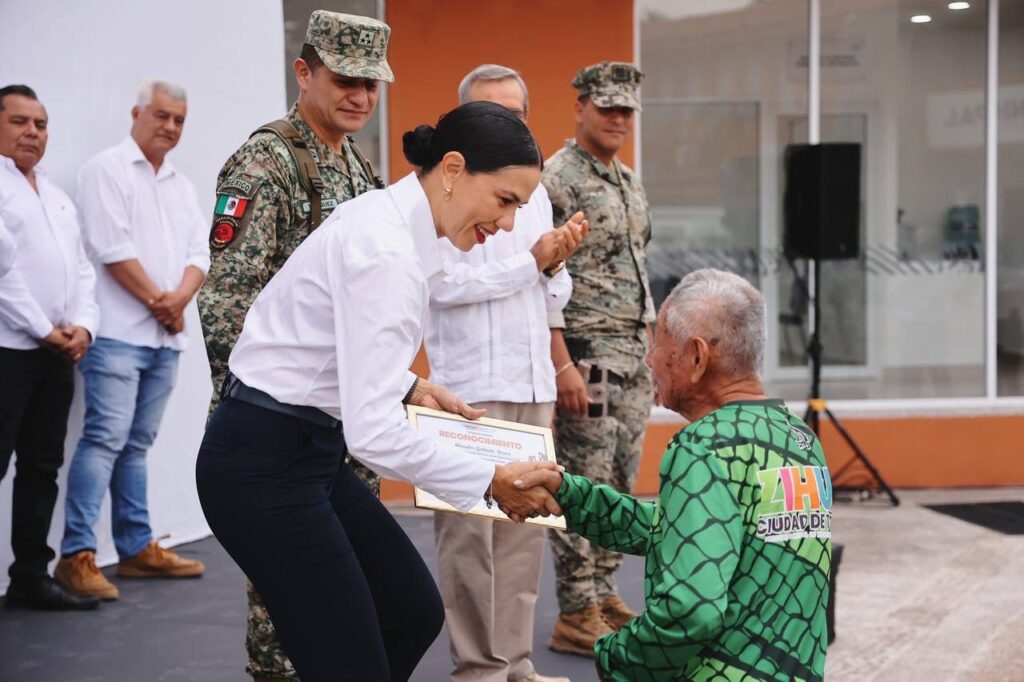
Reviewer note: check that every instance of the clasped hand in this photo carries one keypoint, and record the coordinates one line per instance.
(70, 342)
(169, 310)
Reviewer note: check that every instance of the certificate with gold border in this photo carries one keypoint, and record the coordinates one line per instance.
(493, 440)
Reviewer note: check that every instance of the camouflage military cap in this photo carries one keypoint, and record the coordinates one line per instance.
(610, 84)
(351, 45)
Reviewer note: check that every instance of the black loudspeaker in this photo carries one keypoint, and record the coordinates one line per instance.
(822, 201)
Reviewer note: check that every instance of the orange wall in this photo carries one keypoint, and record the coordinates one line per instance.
(920, 452)
(434, 44)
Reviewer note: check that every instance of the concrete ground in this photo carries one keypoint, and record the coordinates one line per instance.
(927, 597)
(922, 596)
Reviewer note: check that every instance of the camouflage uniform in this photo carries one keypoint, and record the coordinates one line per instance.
(250, 241)
(605, 325)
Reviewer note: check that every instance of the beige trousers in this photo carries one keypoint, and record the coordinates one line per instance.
(489, 575)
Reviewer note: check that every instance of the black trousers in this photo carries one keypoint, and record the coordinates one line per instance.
(36, 388)
(346, 589)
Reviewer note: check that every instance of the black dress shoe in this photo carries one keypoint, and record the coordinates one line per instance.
(45, 594)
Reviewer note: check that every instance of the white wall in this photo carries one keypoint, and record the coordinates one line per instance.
(86, 61)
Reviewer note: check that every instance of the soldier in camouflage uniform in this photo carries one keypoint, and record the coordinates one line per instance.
(264, 211)
(604, 386)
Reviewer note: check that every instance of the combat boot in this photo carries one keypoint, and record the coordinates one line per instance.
(78, 574)
(155, 561)
(576, 632)
(616, 612)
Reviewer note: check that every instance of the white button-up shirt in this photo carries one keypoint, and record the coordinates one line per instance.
(46, 279)
(339, 325)
(487, 336)
(130, 212)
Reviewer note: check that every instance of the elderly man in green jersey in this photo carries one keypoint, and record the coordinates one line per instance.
(737, 544)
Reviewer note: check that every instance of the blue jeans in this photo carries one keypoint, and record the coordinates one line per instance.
(126, 391)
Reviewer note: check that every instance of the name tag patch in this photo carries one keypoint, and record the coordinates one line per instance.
(325, 205)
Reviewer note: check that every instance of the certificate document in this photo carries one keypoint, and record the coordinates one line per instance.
(493, 440)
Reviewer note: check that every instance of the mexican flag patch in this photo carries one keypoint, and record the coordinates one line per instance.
(230, 206)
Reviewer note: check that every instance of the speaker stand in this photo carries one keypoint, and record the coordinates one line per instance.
(816, 406)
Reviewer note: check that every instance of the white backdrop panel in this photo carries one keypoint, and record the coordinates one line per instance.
(86, 60)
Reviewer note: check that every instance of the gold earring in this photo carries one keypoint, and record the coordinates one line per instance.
(447, 193)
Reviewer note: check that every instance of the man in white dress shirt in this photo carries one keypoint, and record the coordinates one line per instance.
(47, 320)
(488, 340)
(144, 229)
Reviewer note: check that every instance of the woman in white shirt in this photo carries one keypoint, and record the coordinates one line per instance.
(328, 342)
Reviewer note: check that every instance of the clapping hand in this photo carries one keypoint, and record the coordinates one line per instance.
(558, 244)
(521, 502)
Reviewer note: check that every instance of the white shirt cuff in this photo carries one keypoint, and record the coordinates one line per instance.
(478, 476)
(117, 254)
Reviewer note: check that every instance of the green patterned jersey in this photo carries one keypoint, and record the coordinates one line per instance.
(737, 552)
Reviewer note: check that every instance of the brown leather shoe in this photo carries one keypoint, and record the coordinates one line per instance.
(78, 574)
(616, 612)
(576, 632)
(155, 561)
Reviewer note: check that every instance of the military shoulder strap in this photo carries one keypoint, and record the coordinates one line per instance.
(373, 177)
(309, 174)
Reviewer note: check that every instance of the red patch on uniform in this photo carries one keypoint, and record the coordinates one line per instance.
(224, 232)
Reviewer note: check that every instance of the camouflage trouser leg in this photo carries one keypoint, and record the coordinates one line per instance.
(266, 656)
(630, 413)
(607, 450)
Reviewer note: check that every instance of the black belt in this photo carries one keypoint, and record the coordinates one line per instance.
(233, 388)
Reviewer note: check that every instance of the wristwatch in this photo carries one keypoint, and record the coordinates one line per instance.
(554, 269)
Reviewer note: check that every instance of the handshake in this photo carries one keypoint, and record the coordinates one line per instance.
(524, 490)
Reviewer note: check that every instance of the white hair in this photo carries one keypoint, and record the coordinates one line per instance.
(492, 72)
(149, 89)
(726, 311)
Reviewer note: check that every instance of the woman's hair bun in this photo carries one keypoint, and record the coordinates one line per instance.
(416, 145)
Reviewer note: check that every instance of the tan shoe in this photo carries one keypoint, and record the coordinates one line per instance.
(155, 561)
(78, 574)
(616, 612)
(576, 632)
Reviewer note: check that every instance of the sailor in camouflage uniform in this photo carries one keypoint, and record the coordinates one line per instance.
(605, 337)
(265, 209)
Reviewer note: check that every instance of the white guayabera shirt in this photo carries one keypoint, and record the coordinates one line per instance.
(488, 337)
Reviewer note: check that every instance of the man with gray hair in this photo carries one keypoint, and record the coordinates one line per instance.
(488, 339)
(737, 544)
(144, 230)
